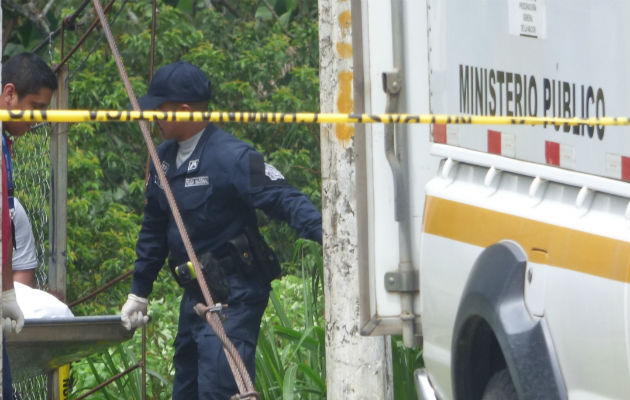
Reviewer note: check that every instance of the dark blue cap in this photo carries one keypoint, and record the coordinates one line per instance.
(180, 82)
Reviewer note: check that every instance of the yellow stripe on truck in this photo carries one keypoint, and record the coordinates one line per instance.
(544, 243)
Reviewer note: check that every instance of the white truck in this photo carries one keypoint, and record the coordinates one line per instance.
(503, 249)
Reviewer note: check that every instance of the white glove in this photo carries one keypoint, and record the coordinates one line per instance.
(12, 317)
(134, 313)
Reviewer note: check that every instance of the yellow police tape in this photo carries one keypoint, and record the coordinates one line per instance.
(277, 117)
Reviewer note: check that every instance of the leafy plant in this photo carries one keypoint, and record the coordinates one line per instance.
(290, 358)
(405, 361)
(257, 61)
(98, 368)
(160, 336)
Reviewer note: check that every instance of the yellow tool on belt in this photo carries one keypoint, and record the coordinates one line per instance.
(186, 271)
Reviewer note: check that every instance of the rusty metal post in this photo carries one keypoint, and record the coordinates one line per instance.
(58, 217)
(59, 189)
(144, 362)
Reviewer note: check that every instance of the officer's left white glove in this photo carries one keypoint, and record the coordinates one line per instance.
(12, 317)
(134, 312)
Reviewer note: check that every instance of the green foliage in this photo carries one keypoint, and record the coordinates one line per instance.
(160, 337)
(254, 64)
(290, 358)
(257, 60)
(405, 361)
(103, 367)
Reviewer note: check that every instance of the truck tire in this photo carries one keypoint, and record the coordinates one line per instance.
(500, 387)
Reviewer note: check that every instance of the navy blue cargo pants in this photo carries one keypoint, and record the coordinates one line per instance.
(201, 368)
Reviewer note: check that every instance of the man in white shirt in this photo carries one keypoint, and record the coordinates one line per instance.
(34, 303)
(24, 255)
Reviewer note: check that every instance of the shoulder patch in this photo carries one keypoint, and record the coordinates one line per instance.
(272, 173)
(263, 174)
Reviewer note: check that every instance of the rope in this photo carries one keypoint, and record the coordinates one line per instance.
(238, 372)
(305, 117)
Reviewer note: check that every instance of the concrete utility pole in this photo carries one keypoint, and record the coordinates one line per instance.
(357, 367)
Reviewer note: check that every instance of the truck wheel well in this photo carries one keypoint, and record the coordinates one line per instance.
(478, 358)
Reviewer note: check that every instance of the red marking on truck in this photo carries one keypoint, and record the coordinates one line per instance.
(625, 168)
(552, 153)
(439, 133)
(494, 142)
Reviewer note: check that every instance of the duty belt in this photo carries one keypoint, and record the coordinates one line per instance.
(186, 272)
(247, 254)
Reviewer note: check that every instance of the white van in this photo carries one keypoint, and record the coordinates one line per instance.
(503, 249)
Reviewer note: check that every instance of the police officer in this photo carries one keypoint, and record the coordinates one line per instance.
(218, 183)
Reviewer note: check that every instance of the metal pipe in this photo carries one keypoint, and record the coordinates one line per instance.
(153, 24)
(396, 150)
(63, 30)
(66, 21)
(107, 382)
(101, 289)
(391, 85)
(144, 362)
(94, 24)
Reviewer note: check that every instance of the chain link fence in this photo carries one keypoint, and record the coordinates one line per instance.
(31, 159)
(31, 165)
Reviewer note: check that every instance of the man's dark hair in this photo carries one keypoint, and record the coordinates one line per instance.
(28, 73)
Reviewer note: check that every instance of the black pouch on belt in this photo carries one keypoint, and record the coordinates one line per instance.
(268, 266)
(240, 254)
(252, 257)
(214, 275)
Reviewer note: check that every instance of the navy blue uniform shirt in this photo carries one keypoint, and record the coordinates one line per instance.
(217, 190)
